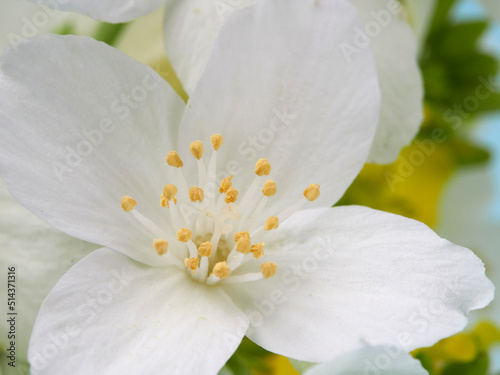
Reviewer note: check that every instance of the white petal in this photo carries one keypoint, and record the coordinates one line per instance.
(40, 254)
(112, 315)
(348, 275)
(113, 11)
(70, 148)
(420, 14)
(190, 28)
(380, 360)
(395, 48)
(285, 91)
(11, 15)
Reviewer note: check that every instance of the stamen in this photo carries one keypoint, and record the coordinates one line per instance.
(231, 195)
(160, 246)
(272, 223)
(163, 201)
(239, 235)
(249, 277)
(225, 185)
(242, 240)
(223, 212)
(258, 250)
(217, 140)
(247, 198)
(269, 188)
(196, 194)
(222, 270)
(177, 220)
(182, 182)
(212, 169)
(169, 191)
(312, 192)
(197, 149)
(243, 245)
(183, 235)
(259, 208)
(262, 167)
(289, 211)
(216, 234)
(203, 270)
(268, 269)
(205, 249)
(174, 160)
(192, 263)
(193, 251)
(128, 203)
(236, 259)
(148, 224)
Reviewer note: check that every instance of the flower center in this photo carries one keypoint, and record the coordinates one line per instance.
(222, 230)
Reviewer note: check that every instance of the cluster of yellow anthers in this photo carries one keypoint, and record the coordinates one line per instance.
(223, 260)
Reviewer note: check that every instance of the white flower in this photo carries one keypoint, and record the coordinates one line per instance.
(87, 126)
(20, 20)
(192, 25)
(380, 360)
(41, 255)
(420, 13)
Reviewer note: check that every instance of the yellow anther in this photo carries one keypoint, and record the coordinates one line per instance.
(268, 269)
(225, 184)
(239, 235)
(272, 223)
(258, 250)
(312, 192)
(192, 263)
(205, 249)
(183, 235)
(174, 160)
(231, 195)
(160, 246)
(169, 191)
(164, 201)
(217, 140)
(196, 149)
(242, 240)
(128, 203)
(196, 194)
(222, 270)
(243, 245)
(269, 188)
(262, 167)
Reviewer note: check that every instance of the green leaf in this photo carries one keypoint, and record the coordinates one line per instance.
(468, 153)
(109, 32)
(459, 40)
(65, 29)
(249, 356)
(440, 16)
(477, 367)
(426, 362)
